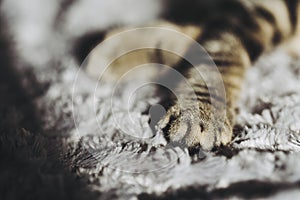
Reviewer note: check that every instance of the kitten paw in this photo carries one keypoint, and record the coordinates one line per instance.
(193, 126)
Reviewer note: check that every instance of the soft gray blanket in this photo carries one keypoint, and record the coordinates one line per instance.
(62, 136)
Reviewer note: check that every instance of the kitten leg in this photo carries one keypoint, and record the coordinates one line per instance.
(204, 114)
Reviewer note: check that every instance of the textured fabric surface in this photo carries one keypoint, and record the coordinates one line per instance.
(63, 136)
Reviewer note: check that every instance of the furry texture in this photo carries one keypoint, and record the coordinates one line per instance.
(54, 143)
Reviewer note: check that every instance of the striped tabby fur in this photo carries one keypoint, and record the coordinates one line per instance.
(234, 33)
